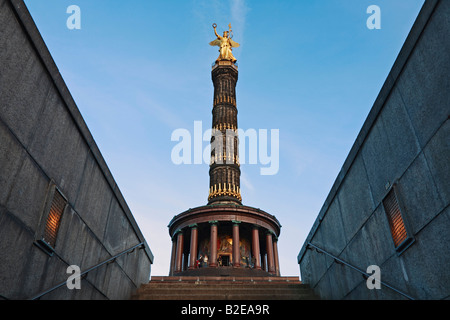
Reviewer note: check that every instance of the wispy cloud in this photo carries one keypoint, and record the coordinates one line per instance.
(222, 13)
(239, 11)
(246, 182)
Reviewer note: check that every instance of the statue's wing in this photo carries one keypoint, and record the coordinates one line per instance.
(215, 43)
(234, 44)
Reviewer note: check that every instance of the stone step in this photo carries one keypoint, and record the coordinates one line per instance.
(187, 293)
(225, 271)
(225, 284)
(225, 296)
(147, 289)
(213, 288)
(219, 279)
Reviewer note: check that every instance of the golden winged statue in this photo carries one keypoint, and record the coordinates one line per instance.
(225, 44)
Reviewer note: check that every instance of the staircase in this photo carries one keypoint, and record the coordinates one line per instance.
(224, 288)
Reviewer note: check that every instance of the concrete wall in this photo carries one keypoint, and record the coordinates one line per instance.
(405, 140)
(44, 142)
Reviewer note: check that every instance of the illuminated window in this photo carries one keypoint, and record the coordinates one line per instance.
(399, 230)
(54, 218)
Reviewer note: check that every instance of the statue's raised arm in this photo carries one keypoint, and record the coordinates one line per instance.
(215, 30)
(218, 41)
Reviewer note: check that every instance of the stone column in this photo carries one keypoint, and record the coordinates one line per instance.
(269, 249)
(194, 246)
(224, 173)
(179, 254)
(172, 258)
(263, 261)
(185, 260)
(255, 247)
(213, 245)
(236, 249)
(275, 255)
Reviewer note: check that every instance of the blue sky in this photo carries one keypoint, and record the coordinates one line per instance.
(138, 70)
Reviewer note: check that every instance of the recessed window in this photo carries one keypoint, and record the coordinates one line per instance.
(397, 225)
(54, 218)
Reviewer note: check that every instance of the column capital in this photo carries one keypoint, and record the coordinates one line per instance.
(235, 221)
(214, 222)
(194, 225)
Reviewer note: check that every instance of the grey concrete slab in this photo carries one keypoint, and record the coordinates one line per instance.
(94, 198)
(390, 147)
(313, 267)
(426, 261)
(12, 37)
(28, 194)
(332, 228)
(12, 263)
(338, 275)
(424, 83)
(356, 255)
(58, 146)
(377, 239)
(393, 273)
(418, 195)
(355, 199)
(24, 86)
(71, 237)
(437, 154)
(324, 288)
(11, 159)
(118, 234)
